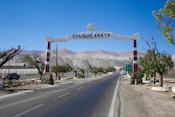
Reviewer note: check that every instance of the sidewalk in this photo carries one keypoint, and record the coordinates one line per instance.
(140, 101)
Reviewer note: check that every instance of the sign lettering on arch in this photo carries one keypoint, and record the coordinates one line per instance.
(92, 34)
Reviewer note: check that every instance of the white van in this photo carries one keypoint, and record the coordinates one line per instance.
(123, 72)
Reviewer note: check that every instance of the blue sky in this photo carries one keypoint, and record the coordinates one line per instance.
(28, 22)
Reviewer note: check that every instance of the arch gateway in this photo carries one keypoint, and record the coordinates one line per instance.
(91, 34)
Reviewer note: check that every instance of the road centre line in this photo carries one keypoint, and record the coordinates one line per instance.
(71, 86)
(112, 108)
(64, 95)
(79, 88)
(29, 110)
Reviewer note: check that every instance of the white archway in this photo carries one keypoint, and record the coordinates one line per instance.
(91, 34)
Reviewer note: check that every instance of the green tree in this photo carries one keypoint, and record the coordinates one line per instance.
(60, 70)
(64, 69)
(5, 56)
(73, 69)
(147, 66)
(166, 20)
(37, 61)
(82, 70)
(54, 70)
(111, 69)
(93, 69)
(100, 70)
(161, 60)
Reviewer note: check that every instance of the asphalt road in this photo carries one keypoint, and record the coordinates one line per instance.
(98, 97)
(29, 78)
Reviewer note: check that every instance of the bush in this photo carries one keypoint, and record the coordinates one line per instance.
(137, 76)
(81, 75)
(105, 72)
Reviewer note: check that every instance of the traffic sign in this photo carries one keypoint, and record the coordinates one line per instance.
(128, 67)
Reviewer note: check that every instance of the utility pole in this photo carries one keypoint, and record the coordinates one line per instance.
(56, 55)
(56, 59)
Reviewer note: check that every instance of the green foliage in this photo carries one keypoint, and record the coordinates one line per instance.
(147, 65)
(111, 69)
(93, 69)
(155, 61)
(152, 63)
(105, 72)
(164, 63)
(138, 76)
(97, 70)
(166, 20)
(81, 75)
(7, 81)
(82, 70)
(100, 69)
(60, 69)
(75, 70)
(124, 68)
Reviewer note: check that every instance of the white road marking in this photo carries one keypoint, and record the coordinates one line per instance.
(71, 87)
(16, 94)
(28, 110)
(112, 108)
(79, 88)
(64, 95)
(30, 99)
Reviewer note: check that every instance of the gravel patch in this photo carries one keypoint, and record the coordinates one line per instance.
(140, 101)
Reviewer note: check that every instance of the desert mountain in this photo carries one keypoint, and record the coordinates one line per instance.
(64, 53)
(32, 52)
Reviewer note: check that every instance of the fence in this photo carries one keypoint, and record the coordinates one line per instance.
(24, 73)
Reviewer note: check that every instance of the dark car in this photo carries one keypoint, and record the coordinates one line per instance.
(11, 76)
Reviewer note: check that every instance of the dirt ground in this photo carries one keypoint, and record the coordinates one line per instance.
(140, 101)
(12, 90)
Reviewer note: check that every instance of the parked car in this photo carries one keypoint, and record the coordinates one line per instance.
(123, 72)
(11, 76)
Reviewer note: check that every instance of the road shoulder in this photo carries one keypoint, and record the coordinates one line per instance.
(140, 101)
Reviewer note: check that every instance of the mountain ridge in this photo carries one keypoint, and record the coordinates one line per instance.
(65, 53)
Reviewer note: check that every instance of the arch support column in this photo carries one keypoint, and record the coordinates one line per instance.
(135, 61)
(47, 62)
